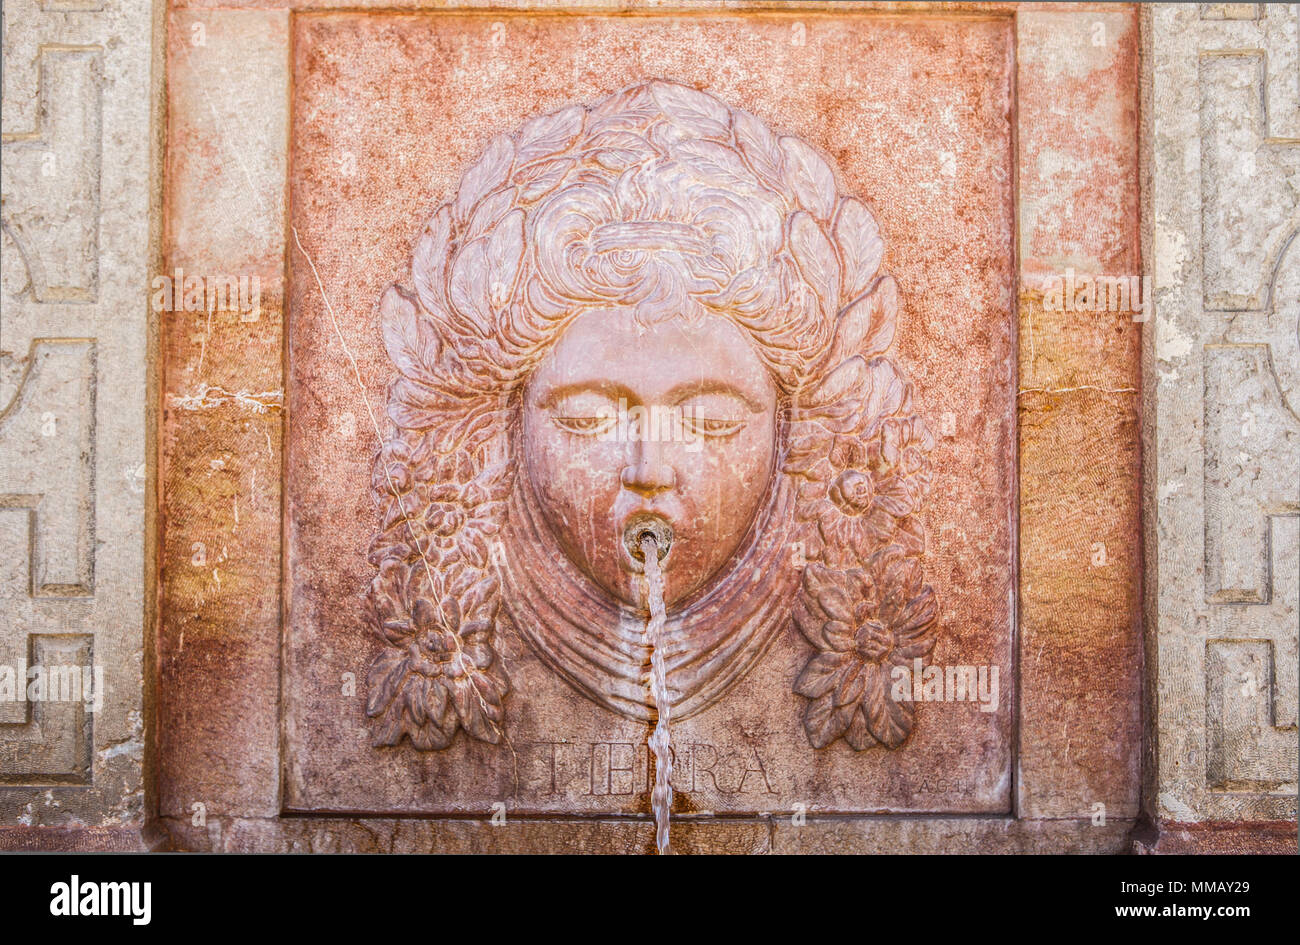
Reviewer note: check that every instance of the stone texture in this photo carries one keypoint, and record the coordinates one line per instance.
(1223, 375)
(306, 143)
(364, 174)
(1079, 604)
(220, 485)
(362, 178)
(74, 412)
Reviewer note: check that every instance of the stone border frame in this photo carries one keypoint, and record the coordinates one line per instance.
(81, 84)
(1221, 121)
(218, 729)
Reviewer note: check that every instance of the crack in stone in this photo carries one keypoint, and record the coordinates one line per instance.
(215, 396)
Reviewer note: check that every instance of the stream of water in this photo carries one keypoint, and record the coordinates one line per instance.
(661, 801)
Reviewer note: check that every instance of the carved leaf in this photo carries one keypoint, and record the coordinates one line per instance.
(717, 163)
(911, 535)
(857, 238)
(505, 253)
(548, 135)
(850, 685)
(866, 327)
(631, 108)
(844, 382)
(469, 290)
(824, 721)
(481, 595)
(809, 178)
(816, 259)
(821, 674)
(857, 734)
(409, 336)
(477, 715)
(887, 391)
(487, 174)
(429, 262)
(888, 719)
(760, 148)
(696, 112)
(618, 159)
(414, 407)
(539, 179)
(913, 627)
(488, 213)
(809, 619)
(384, 679)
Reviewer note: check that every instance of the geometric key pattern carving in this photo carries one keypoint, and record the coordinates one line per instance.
(51, 179)
(47, 447)
(47, 532)
(1252, 546)
(1252, 470)
(1250, 288)
(1249, 747)
(54, 743)
(74, 104)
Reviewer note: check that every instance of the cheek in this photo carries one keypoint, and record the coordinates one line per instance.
(727, 479)
(569, 472)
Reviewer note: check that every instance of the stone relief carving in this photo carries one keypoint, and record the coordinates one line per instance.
(52, 178)
(47, 431)
(53, 742)
(1250, 349)
(47, 543)
(656, 311)
(76, 139)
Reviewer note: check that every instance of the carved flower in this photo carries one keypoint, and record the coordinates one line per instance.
(863, 622)
(852, 492)
(436, 507)
(438, 671)
(863, 468)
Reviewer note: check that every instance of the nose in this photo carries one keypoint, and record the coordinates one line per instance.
(649, 473)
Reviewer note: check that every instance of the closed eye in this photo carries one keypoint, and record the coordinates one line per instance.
(585, 426)
(711, 426)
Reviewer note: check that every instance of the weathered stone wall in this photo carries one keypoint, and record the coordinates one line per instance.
(1223, 389)
(1176, 718)
(75, 410)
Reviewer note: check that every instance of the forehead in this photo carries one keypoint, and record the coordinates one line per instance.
(610, 348)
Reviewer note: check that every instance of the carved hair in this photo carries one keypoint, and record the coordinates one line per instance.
(662, 198)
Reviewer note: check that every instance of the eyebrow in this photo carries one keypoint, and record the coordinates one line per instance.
(609, 389)
(704, 386)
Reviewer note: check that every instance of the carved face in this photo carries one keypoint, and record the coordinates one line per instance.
(591, 253)
(624, 421)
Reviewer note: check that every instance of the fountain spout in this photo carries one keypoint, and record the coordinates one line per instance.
(640, 529)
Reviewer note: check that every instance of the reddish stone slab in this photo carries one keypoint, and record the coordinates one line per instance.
(388, 112)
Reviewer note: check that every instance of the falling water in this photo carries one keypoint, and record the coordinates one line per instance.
(661, 801)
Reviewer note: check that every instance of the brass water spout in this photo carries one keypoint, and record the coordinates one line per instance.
(651, 526)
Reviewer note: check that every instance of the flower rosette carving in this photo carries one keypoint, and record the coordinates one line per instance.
(864, 622)
(663, 198)
(859, 451)
(439, 671)
(434, 602)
